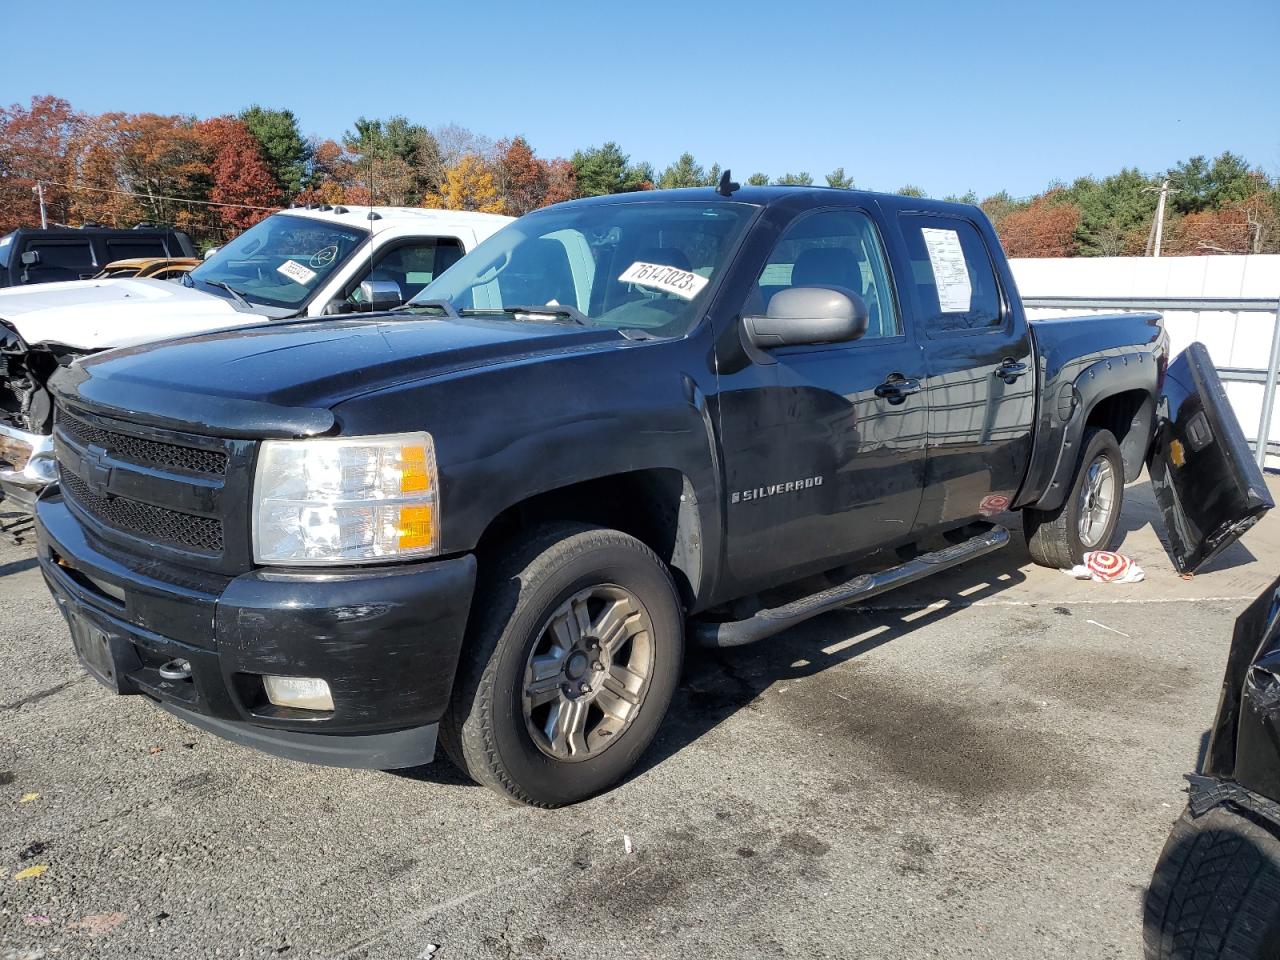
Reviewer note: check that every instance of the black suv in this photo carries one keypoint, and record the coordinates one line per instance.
(32, 255)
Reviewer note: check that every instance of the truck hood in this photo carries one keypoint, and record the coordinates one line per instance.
(283, 379)
(98, 314)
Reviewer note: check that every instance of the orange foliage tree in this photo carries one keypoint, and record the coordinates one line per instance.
(34, 143)
(1045, 228)
(240, 174)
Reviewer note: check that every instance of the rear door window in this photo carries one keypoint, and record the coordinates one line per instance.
(128, 248)
(67, 260)
(954, 281)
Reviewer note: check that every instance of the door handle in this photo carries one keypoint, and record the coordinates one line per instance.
(897, 388)
(1010, 370)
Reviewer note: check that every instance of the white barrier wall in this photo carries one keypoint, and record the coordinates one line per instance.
(1234, 338)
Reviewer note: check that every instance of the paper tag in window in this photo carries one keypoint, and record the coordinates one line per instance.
(680, 283)
(296, 272)
(950, 272)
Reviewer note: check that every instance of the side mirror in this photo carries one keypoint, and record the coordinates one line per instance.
(30, 258)
(379, 295)
(805, 315)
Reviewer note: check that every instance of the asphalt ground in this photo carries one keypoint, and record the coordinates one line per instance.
(984, 765)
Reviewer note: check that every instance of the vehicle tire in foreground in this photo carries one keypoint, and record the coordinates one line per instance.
(1089, 516)
(573, 657)
(1215, 894)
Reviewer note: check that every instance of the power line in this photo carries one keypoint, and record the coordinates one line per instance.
(151, 196)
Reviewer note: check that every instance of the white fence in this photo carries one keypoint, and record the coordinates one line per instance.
(1239, 340)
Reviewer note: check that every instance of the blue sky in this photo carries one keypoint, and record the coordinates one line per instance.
(948, 96)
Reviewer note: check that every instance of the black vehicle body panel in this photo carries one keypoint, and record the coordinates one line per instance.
(1242, 763)
(93, 251)
(1209, 488)
(1082, 361)
(156, 503)
(387, 641)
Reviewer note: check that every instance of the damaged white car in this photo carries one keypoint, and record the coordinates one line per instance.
(303, 262)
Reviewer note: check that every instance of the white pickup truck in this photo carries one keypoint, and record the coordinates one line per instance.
(302, 262)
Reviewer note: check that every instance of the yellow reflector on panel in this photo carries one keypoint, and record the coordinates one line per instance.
(416, 527)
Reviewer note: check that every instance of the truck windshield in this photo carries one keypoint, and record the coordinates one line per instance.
(629, 265)
(280, 262)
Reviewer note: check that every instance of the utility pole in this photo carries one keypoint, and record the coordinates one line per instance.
(44, 221)
(1157, 229)
(1164, 195)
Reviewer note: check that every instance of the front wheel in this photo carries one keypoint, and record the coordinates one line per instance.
(1089, 517)
(1215, 894)
(571, 666)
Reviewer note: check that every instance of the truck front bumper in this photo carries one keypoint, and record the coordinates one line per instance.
(27, 465)
(385, 640)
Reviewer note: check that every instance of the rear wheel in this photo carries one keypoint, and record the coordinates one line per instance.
(575, 655)
(1089, 516)
(1215, 894)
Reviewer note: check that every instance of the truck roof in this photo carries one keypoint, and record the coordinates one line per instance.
(764, 196)
(416, 218)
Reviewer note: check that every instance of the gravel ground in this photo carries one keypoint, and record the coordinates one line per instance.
(982, 766)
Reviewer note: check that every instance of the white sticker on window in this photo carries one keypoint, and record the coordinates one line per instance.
(950, 272)
(680, 283)
(296, 272)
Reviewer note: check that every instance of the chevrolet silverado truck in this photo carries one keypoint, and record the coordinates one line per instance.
(306, 261)
(494, 515)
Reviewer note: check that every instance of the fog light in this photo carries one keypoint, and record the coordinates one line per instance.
(305, 693)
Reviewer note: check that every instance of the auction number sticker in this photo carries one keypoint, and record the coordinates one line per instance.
(680, 283)
(950, 271)
(296, 272)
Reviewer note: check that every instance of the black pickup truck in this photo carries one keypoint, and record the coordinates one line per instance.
(493, 515)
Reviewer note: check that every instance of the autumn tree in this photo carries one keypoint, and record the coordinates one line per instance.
(837, 178)
(562, 181)
(34, 146)
(522, 179)
(468, 185)
(1045, 228)
(242, 180)
(281, 144)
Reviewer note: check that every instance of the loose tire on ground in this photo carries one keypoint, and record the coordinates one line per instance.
(1054, 537)
(556, 608)
(1215, 894)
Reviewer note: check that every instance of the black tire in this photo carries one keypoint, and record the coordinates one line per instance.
(1215, 894)
(485, 731)
(1053, 536)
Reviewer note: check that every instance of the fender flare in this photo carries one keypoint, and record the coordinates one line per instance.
(1095, 383)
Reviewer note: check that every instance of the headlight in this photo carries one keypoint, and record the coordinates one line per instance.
(346, 500)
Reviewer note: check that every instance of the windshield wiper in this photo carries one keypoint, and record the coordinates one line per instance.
(443, 305)
(240, 298)
(540, 310)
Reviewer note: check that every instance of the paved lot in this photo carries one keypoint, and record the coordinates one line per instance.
(988, 776)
